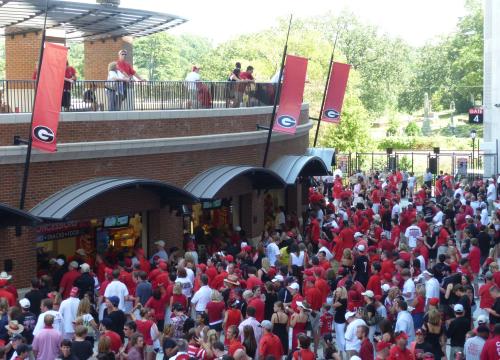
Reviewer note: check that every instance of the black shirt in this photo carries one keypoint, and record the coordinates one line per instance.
(496, 307)
(457, 330)
(28, 320)
(85, 284)
(361, 267)
(83, 350)
(35, 297)
(339, 316)
(423, 348)
(465, 301)
(168, 343)
(118, 319)
(484, 243)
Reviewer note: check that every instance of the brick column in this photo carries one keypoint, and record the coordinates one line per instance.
(98, 54)
(21, 55)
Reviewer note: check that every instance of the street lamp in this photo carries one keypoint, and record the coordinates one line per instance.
(473, 137)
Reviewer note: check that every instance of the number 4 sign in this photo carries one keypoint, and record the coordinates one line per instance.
(476, 115)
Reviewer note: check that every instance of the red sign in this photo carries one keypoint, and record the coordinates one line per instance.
(49, 97)
(292, 93)
(335, 93)
(476, 111)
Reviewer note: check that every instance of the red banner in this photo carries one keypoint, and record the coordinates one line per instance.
(292, 93)
(335, 93)
(49, 97)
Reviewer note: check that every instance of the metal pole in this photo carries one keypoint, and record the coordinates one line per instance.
(328, 76)
(412, 161)
(473, 153)
(30, 141)
(276, 95)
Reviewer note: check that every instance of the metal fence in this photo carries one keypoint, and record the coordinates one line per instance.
(16, 96)
(459, 163)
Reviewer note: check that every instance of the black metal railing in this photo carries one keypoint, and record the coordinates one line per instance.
(16, 96)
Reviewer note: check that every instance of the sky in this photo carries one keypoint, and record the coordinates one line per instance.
(416, 21)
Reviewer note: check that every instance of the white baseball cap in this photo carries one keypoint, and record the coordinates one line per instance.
(160, 243)
(458, 308)
(25, 303)
(361, 247)
(386, 287)
(278, 278)
(358, 234)
(368, 293)
(349, 314)
(294, 286)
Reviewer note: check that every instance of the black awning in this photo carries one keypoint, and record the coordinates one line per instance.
(210, 182)
(290, 167)
(327, 154)
(10, 216)
(60, 205)
(82, 21)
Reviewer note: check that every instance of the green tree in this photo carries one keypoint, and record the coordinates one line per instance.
(76, 59)
(412, 129)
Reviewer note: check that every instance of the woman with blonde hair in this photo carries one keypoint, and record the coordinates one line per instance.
(347, 260)
(88, 320)
(435, 334)
(262, 272)
(178, 296)
(340, 306)
(104, 349)
(216, 309)
(115, 88)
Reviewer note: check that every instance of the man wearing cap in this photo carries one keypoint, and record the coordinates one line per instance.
(129, 72)
(68, 310)
(474, 345)
(383, 350)
(352, 343)
(432, 289)
(457, 329)
(27, 319)
(68, 279)
(116, 316)
(399, 350)
(269, 344)
(160, 251)
(85, 283)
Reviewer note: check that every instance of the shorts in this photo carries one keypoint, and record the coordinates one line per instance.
(217, 327)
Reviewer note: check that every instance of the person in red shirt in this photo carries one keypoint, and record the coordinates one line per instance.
(68, 279)
(125, 67)
(253, 280)
(312, 294)
(491, 348)
(486, 300)
(322, 286)
(254, 300)
(326, 321)
(69, 78)
(233, 335)
(304, 353)
(116, 341)
(375, 282)
(475, 259)
(366, 351)
(314, 229)
(6, 294)
(248, 74)
(269, 344)
(399, 350)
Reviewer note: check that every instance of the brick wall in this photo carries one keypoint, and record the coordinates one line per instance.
(21, 55)
(98, 54)
(175, 168)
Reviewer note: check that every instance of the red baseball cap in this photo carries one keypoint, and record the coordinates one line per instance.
(381, 345)
(203, 267)
(163, 265)
(401, 335)
(434, 301)
(229, 258)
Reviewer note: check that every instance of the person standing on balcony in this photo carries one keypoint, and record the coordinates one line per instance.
(247, 75)
(115, 87)
(192, 78)
(128, 72)
(69, 79)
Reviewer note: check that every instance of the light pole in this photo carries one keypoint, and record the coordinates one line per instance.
(452, 120)
(473, 137)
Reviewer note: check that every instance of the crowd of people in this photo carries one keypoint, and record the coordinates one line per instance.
(379, 267)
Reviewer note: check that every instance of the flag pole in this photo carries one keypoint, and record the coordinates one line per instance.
(277, 95)
(328, 76)
(29, 140)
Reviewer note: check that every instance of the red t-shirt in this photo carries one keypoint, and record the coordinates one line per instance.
(69, 73)
(67, 282)
(313, 297)
(181, 299)
(397, 354)
(260, 307)
(253, 281)
(376, 196)
(270, 344)
(323, 287)
(234, 345)
(420, 305)
(325, 322)
(374, 284)
(215, 309)
(125, 67)
(475, 259)
(116, 341)
(158, 305)
(486, 301)
(491, 349)
(144, 328)
(305, 354)
(245, 75)
(366, 350)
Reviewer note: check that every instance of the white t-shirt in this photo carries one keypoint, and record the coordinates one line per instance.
(412, 233)
(409, 288)
(396, 210)
(491, 193)
(272, 251)
(473, 347)
(187, 286)
(431, 289)
(411, 181)
(193, 76)
(117, 288)
(68, 310)
(351, 340)
(404, 323)
(202, 297)
(40, 324)
(438, 217)
(115, 75)
(190, 275)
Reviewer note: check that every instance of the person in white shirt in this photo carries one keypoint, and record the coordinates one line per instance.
(117, 288)
(46, 308)
(432, 289)
(202, 296)
(412, 233)
(438, 218)
(186, 284)
(396, 210)
(194, 75)
(474, 345)
(250, 320)
(160, 251)
(404, 321)
(272, 251)
(491, 194)
(412, 181)
(352, 343)
(115, 87)
(485, 217)
(408, 286)
(68, 310)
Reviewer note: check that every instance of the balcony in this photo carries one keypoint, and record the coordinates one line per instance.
(16, 96)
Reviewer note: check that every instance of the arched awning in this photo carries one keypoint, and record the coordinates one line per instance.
(327, 154)
(290, 167)
(209, 183)
(10, 216)
(63, 203)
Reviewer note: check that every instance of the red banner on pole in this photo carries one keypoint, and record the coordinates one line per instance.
(335, 93)
(49, 97)
(292, 93)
